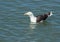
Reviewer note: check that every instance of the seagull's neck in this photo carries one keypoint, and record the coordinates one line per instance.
(32, 18)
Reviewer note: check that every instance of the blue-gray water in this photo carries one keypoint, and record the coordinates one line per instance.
(15, 27)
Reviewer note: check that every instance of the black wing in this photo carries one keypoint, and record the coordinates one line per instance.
(41, 17)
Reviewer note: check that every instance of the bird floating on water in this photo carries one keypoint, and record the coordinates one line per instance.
(39, 18)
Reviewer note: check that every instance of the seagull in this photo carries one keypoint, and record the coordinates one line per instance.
(39, 18)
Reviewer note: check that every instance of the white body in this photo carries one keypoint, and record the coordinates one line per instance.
(32, 19)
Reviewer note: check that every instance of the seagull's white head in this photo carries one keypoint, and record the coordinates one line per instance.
(32, 17)
(28, 13)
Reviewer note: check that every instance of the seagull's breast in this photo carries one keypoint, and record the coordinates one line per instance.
(33, 19)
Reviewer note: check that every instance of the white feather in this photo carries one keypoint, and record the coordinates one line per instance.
(32, 17)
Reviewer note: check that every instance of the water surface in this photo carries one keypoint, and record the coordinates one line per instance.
(15, 27)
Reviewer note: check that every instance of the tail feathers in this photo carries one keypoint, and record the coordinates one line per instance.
(50, 13)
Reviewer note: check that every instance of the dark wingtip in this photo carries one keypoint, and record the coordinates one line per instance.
(48, 13)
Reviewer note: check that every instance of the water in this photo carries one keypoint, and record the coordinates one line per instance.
(15, 27)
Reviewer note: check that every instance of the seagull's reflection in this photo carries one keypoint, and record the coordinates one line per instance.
(33, 25)
(31, 28)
